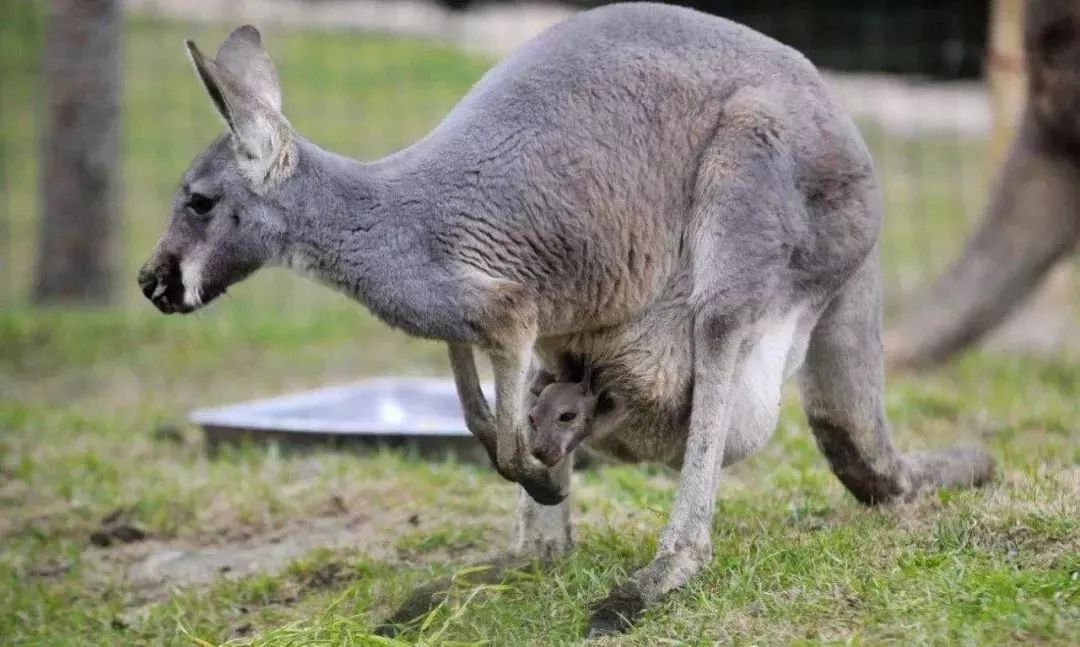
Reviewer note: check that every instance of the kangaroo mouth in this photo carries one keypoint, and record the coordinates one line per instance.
(164, 287)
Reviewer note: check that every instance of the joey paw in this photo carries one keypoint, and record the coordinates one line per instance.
(543, 490)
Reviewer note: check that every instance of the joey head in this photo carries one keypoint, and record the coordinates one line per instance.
(561, 418)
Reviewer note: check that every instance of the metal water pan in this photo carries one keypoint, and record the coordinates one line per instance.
(423, 414)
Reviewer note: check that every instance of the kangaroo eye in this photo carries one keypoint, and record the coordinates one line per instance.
(567, 416)
(200, 204)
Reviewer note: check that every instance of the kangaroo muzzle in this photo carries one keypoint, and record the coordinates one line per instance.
(161, 282)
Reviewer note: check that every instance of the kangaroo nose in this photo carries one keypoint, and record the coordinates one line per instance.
(149, 284)
(547, 455)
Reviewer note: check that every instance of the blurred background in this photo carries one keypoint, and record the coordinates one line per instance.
(100, 114)
(367, 77)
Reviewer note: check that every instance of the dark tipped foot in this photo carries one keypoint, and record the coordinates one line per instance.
(919, 473)
(616, 613)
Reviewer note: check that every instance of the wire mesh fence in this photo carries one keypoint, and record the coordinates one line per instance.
(366, 78)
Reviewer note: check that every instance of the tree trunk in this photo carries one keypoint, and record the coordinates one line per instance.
(80, 152)
(1033, 218)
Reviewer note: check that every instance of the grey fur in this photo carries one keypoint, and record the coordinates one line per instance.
(633, 156)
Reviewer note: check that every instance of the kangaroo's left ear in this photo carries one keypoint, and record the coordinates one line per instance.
(587, 379)
(243, 84)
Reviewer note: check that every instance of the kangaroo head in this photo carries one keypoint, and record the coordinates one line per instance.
(228, 215)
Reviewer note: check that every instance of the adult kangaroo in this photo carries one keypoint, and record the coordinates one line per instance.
(557, 198)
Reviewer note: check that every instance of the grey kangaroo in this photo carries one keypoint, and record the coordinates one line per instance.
(558, 200)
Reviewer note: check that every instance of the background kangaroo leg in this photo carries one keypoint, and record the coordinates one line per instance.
(1031, 224)
(842, 383)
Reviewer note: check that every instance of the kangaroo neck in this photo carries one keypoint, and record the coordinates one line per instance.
(365, 229)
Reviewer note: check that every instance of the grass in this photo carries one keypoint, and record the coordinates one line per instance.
(796, 559)
(89, 401)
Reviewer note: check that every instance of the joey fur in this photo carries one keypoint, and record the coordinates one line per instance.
(638, 169)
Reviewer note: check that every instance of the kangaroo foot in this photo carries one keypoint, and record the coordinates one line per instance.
(667, 572)
(960, 467)
(616, 613)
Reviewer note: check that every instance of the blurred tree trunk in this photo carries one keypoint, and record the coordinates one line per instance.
(1032, 221)
(80, 152)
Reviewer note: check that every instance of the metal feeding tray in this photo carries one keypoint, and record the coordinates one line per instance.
(422, 414)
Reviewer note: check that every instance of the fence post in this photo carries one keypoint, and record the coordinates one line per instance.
(1005, 75)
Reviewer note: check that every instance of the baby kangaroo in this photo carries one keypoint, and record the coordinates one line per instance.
(565, 413)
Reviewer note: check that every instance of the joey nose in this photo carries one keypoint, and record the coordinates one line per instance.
(547, 454)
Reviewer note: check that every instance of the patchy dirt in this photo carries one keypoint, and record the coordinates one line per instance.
(155, 567)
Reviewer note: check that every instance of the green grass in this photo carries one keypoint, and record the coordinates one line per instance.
(796, 559)
(84, 396)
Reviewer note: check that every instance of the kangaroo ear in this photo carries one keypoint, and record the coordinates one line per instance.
(243, 85)
(587, 379)
(243, 56)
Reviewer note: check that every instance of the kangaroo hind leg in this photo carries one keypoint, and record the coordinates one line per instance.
(842, 385)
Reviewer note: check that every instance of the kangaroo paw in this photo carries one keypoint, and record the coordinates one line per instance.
(543, 489)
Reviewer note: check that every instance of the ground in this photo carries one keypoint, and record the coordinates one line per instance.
(86, 431)
(118, 528)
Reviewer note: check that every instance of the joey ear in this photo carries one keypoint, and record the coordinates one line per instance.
(243, 86)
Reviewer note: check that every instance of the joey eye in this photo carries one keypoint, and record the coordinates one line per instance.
(567, 416)
(200, 204)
